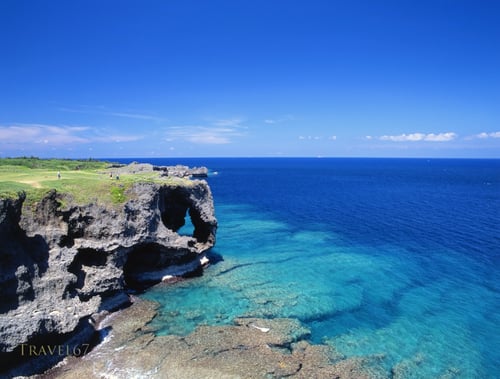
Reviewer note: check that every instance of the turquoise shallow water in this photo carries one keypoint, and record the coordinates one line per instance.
(393, 259)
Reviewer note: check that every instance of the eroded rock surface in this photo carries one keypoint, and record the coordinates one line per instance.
(180, 171)
(252, 348)
(61, 263)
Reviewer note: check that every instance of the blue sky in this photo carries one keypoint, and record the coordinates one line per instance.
(250, 78)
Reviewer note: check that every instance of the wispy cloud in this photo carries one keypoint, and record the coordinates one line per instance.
(42, 134)
(310, 138)
(117, 138)
(279, 120)
(218, 133)
(317, 138)
(57, 135)
(135, 115)
(106, 112)
(485, 135)
(234, 122)
(415, 137)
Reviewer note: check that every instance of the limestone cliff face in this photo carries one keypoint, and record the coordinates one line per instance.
(61, 263)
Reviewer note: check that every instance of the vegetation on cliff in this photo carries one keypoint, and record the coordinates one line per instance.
(84, 180)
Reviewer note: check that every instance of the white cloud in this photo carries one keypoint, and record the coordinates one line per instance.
(279, 120)
(105, 112)
(415, 137)
(134, 115)
(403, 137)
(485, 135)
(316, 138)
(39, 133)
(55, 135)
(117, 138)
(440, 137)
(211, 135)
(228, 122)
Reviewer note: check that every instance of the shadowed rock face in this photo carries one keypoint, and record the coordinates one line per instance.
(60, 265)
(174, 203)
(21, 257)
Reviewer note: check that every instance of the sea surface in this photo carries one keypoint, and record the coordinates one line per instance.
(393, 259)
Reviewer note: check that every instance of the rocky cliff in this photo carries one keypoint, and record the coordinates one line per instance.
(62, 264)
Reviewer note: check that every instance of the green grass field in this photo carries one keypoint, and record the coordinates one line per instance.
(85, 181)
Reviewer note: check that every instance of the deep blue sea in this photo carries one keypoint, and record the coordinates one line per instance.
(393, 259)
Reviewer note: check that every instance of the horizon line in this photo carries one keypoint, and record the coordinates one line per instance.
(248, 157)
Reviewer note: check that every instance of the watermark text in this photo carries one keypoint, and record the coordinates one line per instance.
(59, 350)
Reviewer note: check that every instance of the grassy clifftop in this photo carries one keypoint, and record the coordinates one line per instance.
(84, 180)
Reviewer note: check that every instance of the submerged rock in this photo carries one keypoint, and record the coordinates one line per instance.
(63, 263)
(235, 351)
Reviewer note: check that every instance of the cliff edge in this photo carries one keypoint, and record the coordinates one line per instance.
(64, 265)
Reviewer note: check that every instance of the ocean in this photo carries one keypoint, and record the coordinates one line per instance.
(395, 260)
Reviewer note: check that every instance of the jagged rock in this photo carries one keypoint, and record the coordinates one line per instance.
(183, 171)
(61, 264)
(179, 171)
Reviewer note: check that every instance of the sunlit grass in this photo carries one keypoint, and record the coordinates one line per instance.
(84, 181)
(53, 164)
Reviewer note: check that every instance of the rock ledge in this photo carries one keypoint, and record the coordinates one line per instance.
(235, 351)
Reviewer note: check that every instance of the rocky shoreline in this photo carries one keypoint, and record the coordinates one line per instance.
(64, 266)
(251, 348)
